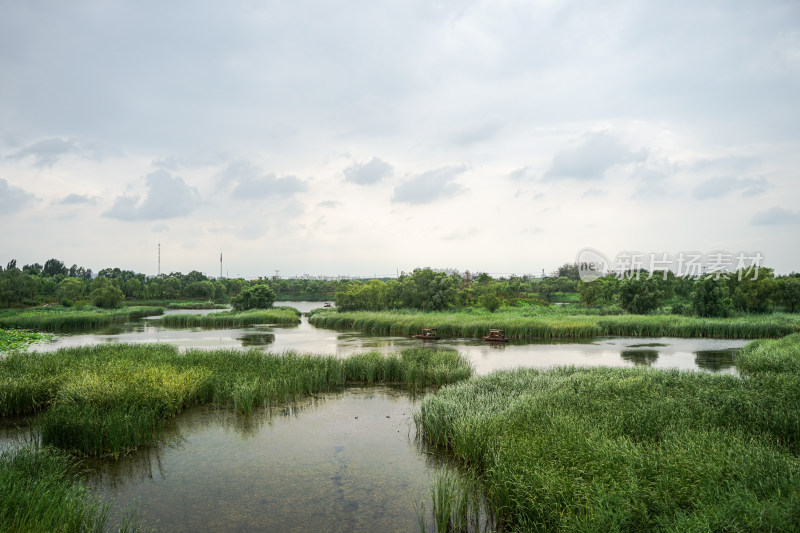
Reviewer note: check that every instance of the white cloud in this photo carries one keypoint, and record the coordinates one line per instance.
(430, 186)
(167, 197)
(368, 173)
(13, 198)
(591, 157)
(249, 182)
(776, 216)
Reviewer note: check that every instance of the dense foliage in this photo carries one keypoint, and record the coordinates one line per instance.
(255, 297)
(609, 449)
(754, 291)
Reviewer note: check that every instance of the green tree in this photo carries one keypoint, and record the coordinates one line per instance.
(258, 296)
(638, 295)
(790, 293)
(54, 267)
(710, 298)
(754, 295)
(70, 289)
(107, 296)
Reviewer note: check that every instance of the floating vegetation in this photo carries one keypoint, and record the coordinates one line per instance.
(15, 339)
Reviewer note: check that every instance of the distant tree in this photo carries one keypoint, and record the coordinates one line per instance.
(754, 295)
(638, 295)
(591, 292)
(34, 269)
(547, 288)
(569, 271)
(54, 267)
(70, 289)
(710, 298)
(106, 294)
(255, 297)
(12, 265)
(790, 293)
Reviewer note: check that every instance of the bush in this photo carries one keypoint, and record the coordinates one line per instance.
(255, 297)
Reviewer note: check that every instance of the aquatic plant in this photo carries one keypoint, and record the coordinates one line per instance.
(526, 324)
(227, 319)
(70, 319)
(601, 449)
(109, 399)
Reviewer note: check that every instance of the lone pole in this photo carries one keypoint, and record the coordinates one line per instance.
(159, 259)
(220, 265)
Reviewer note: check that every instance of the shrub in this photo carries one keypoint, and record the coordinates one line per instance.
(255, 297)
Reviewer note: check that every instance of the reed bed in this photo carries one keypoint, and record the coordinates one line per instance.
(608, 449)
(524, 324)
(196, 305)
(228, 319)
(62, 319)
(109, 399)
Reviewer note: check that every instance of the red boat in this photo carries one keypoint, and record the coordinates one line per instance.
(496, 335)
(428, 334)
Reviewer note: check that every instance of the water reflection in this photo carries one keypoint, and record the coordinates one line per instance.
(639, 357)
(346, 461)
(486, 357)
(715, 360)
(257, 339)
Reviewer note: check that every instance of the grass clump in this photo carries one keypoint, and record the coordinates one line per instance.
(40, 490)
(545, 323)
(57, 318)
(110, 399)
(607, 449)
(226, 319)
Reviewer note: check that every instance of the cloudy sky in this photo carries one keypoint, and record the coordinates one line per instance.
(369, 137)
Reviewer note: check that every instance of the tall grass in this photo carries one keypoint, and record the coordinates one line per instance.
(522, 323)
(226, 319)
(65, 319)
(109, 399)
(607, 449)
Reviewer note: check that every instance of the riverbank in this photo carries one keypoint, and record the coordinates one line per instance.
(557, 324)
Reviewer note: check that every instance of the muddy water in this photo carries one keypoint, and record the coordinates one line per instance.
(345, 461)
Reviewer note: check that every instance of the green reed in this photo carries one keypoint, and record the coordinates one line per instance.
(109, 399)
(610, 449)
(227, 319)
(522, 323)
(66, 319)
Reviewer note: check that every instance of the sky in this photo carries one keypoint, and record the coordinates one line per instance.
(367, 138)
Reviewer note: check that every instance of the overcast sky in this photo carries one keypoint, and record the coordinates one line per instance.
(364, 137)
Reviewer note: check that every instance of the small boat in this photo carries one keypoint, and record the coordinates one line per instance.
(496, 335)
(327, 304)
(429, 334)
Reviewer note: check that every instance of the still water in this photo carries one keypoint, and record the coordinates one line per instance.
(689, 354)
(339, 461)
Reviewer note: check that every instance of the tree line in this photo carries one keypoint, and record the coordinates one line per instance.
(760, 291)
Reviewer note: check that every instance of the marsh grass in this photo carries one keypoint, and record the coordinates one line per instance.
(67, 319)
(109, 399)
(609, 449)
(226, 319)
(541, 323)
